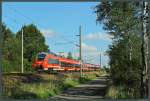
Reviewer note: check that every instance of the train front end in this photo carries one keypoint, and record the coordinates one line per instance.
(38, 63)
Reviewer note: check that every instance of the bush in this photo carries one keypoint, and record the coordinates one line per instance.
(69, 83)
(118, 92)
(41, 90)
(121, 92)
(11, 66)
(27, 66)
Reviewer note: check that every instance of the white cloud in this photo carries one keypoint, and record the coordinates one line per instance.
(99, 36)
(91, 54)
(88, 48)
(75, 54)
(63, 54)
(48, 32)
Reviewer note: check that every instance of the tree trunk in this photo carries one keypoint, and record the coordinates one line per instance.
(144, 50)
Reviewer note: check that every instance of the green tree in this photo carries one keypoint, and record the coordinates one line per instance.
(123, 21)
(11, 51)
(78, 59)
(69, 55)
(34, 42)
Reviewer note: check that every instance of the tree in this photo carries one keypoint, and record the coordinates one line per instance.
(11, 51)
(69, 55)
(78, 59)
(34, 42)
(7, 40)
(123, 21)
(144, 50)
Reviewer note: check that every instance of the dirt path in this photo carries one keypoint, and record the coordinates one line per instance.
(94, 89)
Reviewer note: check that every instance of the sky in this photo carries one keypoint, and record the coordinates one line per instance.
(59, 23)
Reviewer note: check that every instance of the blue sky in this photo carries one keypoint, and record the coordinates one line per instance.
(59, 23)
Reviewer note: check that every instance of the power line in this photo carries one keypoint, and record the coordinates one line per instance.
(17, 11)
(15, 21)
(64, 38)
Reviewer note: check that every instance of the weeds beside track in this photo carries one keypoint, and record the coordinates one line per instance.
(43, 85)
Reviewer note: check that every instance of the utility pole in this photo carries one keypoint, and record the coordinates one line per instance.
(100, 60)
(80, 40)
(22, 52)
(80, 49)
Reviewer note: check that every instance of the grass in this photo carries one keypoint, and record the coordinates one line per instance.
(41, 90)
(116, 92)
(41, 86)
(86, 78)
(120, 92)
(69, 83)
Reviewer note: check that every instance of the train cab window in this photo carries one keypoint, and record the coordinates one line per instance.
(41, 57)
(53, 61)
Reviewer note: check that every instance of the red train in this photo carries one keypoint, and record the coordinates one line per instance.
(52, 62)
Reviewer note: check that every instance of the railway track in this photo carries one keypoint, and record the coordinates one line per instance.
(65, 72)
(44, 73)
(42, 77)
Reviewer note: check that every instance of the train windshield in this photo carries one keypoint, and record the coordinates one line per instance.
(41, 57)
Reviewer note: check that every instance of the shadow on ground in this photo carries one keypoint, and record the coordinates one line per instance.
(94, 89)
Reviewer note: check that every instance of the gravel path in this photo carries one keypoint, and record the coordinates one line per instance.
(94, 89)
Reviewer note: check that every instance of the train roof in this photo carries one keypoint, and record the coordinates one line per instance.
(43, 53)
(68, 60)
(62, 59)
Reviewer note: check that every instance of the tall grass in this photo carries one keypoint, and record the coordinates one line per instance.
(121, 92)
(69, 83)
(116, 92)
(48, 86)
(41, 90)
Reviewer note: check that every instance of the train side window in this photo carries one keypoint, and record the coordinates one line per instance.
(62, 64)
(53, 61)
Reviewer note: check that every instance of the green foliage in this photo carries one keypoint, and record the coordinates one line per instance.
(11, 60)
(78, 59)
(44, 89)
(34, 42)
(84, 79)
(122, 21)
(122, 69)
(117, 92)
(121, 92)
(89, 77)
(69, 56)
(69, 83)
(40, 86)
(27, 66)
(106, 69)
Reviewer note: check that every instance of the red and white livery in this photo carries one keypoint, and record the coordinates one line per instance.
(52, 62)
